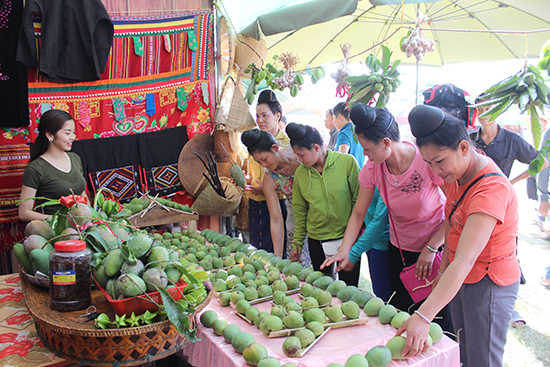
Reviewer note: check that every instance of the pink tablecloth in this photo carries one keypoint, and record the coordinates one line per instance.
(336, 346)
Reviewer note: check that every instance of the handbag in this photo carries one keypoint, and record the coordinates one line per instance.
(331, 248)
(421, 289)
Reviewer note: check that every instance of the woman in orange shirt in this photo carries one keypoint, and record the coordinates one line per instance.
(479, 273)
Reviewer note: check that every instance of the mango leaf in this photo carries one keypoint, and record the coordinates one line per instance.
(98, 242)
(536, 126)
(395, 64)
(503, 84)
(60, 221)
(536, 165)
(193, 282)
(128, 255)
(386, 56)
(377, 65)
(370, 61)
(489, 103)
(178, 316)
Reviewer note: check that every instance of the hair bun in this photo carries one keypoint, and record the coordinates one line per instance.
(267, 96)
(251, 137)
(362, 116)
(425, 119)
(296, 131)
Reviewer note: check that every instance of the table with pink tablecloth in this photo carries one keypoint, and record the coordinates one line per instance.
(336, 346)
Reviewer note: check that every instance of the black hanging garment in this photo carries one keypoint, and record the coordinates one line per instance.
(14, 99)
(76, 39)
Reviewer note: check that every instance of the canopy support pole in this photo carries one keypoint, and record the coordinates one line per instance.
(417, 71)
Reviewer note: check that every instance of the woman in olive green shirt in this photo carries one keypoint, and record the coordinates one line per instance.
(52, 172)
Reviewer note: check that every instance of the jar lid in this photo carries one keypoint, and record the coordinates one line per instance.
(69, 245)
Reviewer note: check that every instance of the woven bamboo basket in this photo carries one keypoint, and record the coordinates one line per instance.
(250, 51)
(241, 219)
(64, 335)
(210, 203)
(233, 111)
(190, 167)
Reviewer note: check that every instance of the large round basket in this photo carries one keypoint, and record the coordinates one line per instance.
(190, 167)
(250, 51)
(64, 335)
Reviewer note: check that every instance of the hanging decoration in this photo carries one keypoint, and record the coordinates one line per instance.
(528, 90)
(118, 108)
(416, 43)
(181, 96)
(192, 41)
(343, 72)
(278, 78)
(383, 80)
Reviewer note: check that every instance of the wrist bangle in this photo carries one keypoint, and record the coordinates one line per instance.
(423, 317)
(432, 249)
(440, 273)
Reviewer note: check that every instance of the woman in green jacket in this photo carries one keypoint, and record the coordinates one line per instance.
(324, 192)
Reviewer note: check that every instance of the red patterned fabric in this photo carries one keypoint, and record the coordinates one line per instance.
(99, 121)
(13, 160)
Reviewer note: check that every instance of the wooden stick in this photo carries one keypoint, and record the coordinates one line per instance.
(269, 298)
(304, 351)
(250, 322)
(333, 325)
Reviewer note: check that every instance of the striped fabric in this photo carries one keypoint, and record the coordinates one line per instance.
(13, 160)
(157, 57)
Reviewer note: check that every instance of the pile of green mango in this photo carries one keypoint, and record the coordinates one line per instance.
(146, 261)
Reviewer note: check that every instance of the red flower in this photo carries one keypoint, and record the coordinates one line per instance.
(12, 280)
(8, 338)
(22, 348)
(18, 319)
(12, 297)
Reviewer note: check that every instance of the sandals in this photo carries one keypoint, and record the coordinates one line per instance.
(517, 320)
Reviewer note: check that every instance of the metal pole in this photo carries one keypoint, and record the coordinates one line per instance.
(416, 95)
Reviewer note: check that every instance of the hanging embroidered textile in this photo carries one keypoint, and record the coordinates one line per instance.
(123, 182)
(13, 160)
(100, 120)
(155, 44)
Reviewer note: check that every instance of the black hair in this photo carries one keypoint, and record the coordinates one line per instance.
(374, 124)
(270, 99)
(303, 136)
(257, 140)
(449, 134)
(51, 122)
(340, 109)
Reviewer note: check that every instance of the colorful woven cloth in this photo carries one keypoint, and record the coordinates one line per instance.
(163, 180)
(13, 160)
(162, 46)
(101, 121)
(124, 182)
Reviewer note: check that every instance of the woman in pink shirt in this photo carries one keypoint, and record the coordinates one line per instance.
(412, 193)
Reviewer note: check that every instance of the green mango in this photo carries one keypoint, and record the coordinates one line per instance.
(21, 255)
(100, 275)
(113, 262)
(40, 260)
